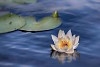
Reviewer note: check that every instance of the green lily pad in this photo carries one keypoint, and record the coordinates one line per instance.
(11, 22)
(46, 23)
(2, 2)
(24, 1)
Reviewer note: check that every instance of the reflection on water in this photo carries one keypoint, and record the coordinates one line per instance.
(61, 57)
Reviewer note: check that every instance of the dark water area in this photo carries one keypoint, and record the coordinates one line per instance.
(32, 49)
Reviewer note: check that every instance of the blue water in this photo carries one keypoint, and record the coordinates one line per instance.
(32, 49)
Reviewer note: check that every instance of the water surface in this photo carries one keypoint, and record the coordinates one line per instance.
(32, 49)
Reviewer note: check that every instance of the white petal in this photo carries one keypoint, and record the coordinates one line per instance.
(60, 50)
(70, 51)
(61, 34)
(63, 49)
(64, 35)
(73, 39)
(55, 39)
(75, 46)
(76, 40)
(53, 47)
(69, 35)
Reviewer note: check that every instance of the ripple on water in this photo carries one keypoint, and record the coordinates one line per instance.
(8, 64)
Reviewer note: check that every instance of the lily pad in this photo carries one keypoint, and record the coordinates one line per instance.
(46, 23)
(24, 1)
(11, 22)
(2, 2)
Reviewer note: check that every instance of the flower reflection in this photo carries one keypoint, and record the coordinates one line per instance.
(61, 56)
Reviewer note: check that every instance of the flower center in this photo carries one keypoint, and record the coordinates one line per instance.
(64, 43)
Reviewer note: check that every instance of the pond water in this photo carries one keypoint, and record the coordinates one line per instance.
(32, 49)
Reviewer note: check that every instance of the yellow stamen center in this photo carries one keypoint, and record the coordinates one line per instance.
(63, 43)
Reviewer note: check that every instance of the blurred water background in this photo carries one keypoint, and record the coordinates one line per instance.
(32, 49)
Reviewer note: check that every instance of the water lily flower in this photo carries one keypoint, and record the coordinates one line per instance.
(65, 42)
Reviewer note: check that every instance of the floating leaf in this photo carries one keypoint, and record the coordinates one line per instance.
(10, 22)
(46, 23)
(2, 2)
(24, 1)
(5, 2)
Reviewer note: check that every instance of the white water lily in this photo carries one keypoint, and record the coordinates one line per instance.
(65, 42)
